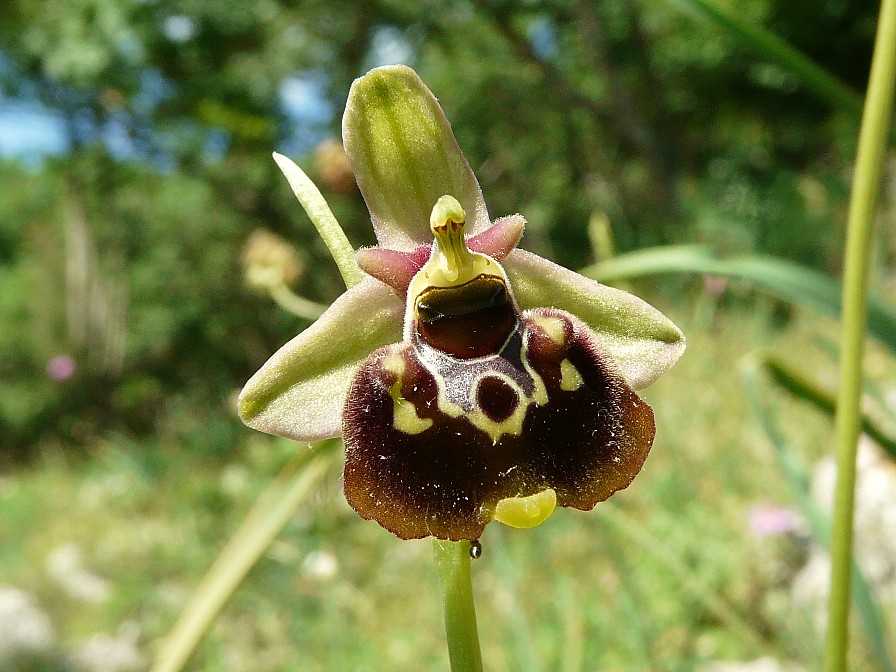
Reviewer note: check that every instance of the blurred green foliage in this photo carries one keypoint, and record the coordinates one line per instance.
(124, 252)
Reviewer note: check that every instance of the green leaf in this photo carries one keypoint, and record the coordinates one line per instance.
(642, 342)
(300, 391)
(323, 219)
(405, 157)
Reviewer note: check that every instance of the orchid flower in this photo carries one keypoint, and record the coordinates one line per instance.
(470, 380)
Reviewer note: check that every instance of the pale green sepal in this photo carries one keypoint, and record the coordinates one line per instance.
(300, 391)
(641, 341)
(323, 219)
(404, 156)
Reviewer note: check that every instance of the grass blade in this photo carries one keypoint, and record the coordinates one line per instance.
(808, 388)
(714, 603)
(266, 519)
(770, 47)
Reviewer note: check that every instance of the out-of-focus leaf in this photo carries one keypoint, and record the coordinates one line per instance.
(784, 279)
(769, 46)
(274, 509)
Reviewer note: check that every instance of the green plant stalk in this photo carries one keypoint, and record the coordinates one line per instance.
(873, 138)
(453, 565)
(323, 219)
(870, 612)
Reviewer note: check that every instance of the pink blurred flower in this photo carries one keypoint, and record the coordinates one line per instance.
(768, 520)
(714, 285)
(61, 367)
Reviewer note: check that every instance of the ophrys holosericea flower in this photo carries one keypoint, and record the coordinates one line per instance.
(470, 380)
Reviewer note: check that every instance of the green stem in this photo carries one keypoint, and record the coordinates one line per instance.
(453, 564)
(323, 219)
(863, 205)
(295, 304)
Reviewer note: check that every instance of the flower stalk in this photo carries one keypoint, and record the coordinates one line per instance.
(863, 205)
(453, 564)
(295, 304)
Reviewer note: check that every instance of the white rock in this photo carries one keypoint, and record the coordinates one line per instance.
(111, 653)
(24, 628)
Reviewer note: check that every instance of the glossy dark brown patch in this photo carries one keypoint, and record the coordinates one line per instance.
(471, 320)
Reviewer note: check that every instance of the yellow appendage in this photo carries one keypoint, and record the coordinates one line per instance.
(526, 512)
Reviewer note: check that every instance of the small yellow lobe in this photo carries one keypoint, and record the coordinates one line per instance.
(527, 512)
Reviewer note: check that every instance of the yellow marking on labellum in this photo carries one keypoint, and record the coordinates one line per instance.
(404, 416)
(512, 425)
(570, 378)
(526, 512)
(540, 394)
(495, 430)
(554, 327)
(404, 413)
(394, 363)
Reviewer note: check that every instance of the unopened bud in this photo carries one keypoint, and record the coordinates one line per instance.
(332, 166)
(270, 261)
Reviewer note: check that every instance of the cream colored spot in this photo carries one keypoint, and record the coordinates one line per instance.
(394, 363)
(404, 413)
(526, 512)
(553, 326)
(570, 378)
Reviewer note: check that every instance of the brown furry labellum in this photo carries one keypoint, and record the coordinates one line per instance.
(482, 403)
